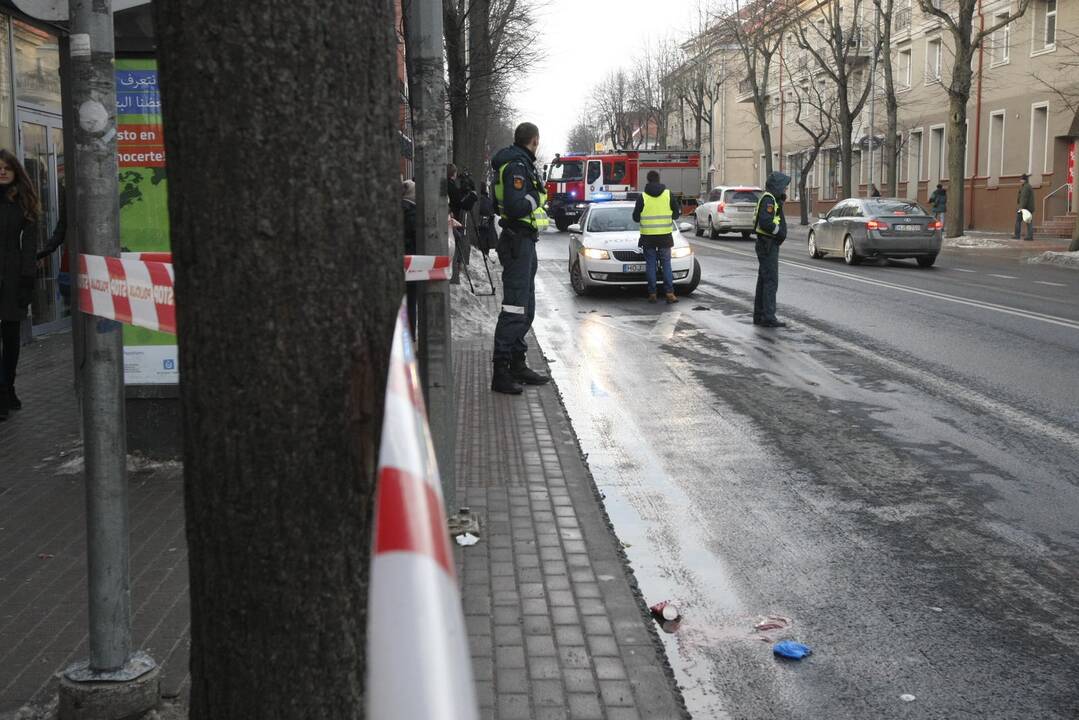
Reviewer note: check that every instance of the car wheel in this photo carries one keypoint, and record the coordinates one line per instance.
(849, 256)
(576, 279)
(712, 232)
(746, 235)
(697, 229)
(926, 261)
(813, 251)
(693, 283)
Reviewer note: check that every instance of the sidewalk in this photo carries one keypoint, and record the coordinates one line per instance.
(556, 627)
(43, 621)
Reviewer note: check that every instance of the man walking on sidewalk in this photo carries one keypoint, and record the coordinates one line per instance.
(519, 200)
(654, 211)
(1025, 201)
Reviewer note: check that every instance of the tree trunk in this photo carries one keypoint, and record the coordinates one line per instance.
(957, 146)
(480, 100)
(457, 73)
(284, 221)
(846, 151)
(891, 149)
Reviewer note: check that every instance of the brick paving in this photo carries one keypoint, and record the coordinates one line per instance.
(555, 625)
(43, 621)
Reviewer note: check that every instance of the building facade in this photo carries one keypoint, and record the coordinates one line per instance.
(1021, 116)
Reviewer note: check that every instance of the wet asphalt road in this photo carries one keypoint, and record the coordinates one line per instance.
(897, 473)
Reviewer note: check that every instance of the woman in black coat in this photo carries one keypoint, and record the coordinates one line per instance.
(19, 210)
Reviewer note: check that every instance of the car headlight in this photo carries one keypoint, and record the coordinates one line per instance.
(680, 252)
(595, 254)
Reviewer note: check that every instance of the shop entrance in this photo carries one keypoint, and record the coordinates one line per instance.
(41, 140)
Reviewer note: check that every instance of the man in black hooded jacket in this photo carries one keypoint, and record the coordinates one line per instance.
(519, 201)
(771, 229)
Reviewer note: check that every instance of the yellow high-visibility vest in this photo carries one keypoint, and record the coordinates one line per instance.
(538, 219)
(775, 218)
(656, 214)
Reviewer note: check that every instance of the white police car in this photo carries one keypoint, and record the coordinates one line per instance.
(603, 251)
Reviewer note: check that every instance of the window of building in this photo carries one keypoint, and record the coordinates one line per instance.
(936, 167)
(830, 174)
(7, 105)
(932, 60)
(914, 171)
(998, 45)
(37, 67)
(994, 164)
(1045, 25)
(1039, 139)
(794, 165)
(903, 68)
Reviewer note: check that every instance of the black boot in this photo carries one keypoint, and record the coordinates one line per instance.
(502, 381)
(524, 374)
(13, 400)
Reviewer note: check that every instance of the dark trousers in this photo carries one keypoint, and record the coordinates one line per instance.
(1019, 225)
(764, 301)
(517, 254)
(10, 343)
(650, 256)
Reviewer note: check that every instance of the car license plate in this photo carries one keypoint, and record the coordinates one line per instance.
(908, 228)
(633, 268)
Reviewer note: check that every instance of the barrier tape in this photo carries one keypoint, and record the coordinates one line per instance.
(138, 288)
(419, 665)
(128, 290)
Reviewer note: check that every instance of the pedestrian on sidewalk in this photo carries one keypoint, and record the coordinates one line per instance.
(771, 228)
(1025, 201)
(519, 201)
(655, 210)
(939, 201)
(19, 211)
(874, 191)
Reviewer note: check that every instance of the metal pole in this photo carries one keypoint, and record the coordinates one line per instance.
(434, 350)
(873, 104)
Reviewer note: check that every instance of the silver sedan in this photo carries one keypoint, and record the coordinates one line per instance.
(861, 228)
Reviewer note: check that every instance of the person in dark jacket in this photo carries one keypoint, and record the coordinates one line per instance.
(939, 202)
(519, 201)
(874, 191)
(486, 233)
(657, 237)
(19, 210)
(771, 229)
(1025, 201)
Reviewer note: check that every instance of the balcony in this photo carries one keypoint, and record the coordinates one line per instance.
(745, 90)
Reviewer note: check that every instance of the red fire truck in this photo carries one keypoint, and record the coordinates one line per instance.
(576, 179)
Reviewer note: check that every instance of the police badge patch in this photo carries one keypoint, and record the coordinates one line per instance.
(518, 182)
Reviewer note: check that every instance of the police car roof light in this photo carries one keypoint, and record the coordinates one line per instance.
(602, 196)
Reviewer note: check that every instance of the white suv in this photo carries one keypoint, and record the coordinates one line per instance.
(727, 209)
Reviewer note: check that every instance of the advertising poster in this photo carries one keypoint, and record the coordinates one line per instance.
(150, 357)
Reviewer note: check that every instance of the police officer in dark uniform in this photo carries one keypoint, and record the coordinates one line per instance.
(519, 201)
(771, 229)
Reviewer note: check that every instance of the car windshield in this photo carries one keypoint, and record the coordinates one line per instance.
(742, 196)
(894, 207)
(611, 219)
(566, 170)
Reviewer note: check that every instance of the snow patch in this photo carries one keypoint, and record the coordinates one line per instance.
(136, 463)
(975, 241)
(1066, 259)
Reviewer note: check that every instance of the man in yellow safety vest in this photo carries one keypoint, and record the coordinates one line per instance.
(656, 209)
(519, 201)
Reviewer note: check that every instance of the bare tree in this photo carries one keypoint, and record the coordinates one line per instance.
(281, 443)
(757, 28)
(650, 95)
(959, 21)
(813, 113)
(611, 107)
(835, 39)
(887, 18)
(582, 137)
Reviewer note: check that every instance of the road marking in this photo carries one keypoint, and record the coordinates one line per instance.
(1028, 314)
(1050, 284)
(1006, 277)
(965, 270)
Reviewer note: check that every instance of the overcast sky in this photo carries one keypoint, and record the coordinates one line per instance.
(582, 41)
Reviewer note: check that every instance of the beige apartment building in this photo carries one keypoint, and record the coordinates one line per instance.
(1021, 117)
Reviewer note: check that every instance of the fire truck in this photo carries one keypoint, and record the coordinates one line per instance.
(576, 179)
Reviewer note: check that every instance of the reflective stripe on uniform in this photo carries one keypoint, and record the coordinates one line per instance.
(656, 214)
(514, 309)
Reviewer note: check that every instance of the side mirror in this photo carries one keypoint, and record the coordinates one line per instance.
(685, 227)
(574, 228)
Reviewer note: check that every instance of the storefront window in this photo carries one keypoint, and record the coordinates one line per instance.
(37, 67)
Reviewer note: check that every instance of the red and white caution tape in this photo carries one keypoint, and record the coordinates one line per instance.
(427, 267)
(128, 290)
(418, 659)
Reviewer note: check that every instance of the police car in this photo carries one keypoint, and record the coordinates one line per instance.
(603, 251)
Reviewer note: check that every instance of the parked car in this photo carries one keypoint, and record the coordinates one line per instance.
(727, 209)
(603, 251)
(862, 228)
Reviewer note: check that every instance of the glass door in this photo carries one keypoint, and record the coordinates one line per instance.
(42, 145)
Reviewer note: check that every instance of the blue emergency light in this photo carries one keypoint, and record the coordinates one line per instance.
(602, 196)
